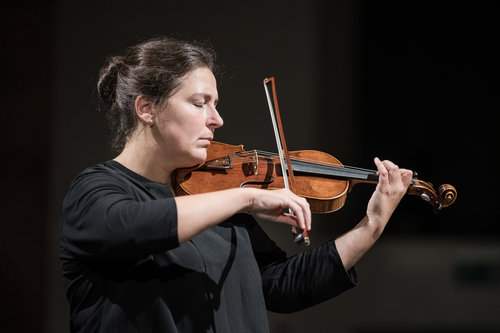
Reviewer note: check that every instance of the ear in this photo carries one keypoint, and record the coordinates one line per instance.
(144, 110)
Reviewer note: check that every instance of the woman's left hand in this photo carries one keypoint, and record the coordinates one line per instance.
(392, 186)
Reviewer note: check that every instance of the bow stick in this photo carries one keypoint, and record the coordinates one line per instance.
(286, 167)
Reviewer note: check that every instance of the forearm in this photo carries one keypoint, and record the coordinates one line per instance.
(354, 244)
(393, 184)
(196, 213)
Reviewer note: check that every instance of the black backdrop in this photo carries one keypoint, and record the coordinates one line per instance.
(411, 82)
(428, 96)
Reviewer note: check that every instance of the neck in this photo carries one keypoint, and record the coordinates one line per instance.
(145, 160)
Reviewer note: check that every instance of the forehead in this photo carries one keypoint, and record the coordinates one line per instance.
(199, 81)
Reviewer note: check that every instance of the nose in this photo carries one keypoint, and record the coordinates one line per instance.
(214, 120)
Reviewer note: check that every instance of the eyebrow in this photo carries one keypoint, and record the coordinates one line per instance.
(206, 97)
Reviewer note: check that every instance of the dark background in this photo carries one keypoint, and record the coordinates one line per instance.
(413, 82)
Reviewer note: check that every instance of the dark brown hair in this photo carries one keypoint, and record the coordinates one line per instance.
(153, 69)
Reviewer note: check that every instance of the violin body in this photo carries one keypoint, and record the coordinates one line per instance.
(319, 177)
(251, 169)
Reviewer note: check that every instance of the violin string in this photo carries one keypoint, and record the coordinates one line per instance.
(328, 164)
(273, 157)
(249, 156)
(336, 165)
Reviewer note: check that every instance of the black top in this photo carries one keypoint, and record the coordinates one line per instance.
(125, 271)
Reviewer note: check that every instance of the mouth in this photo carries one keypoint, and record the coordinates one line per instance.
(207, 140)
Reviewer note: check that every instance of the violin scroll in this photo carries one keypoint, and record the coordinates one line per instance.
(445, 196)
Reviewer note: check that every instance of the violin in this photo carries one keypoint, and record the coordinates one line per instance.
(319, 177)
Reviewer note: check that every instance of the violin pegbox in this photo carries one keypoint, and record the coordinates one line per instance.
(445, 196)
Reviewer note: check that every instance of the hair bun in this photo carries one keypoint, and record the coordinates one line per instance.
(108, 76)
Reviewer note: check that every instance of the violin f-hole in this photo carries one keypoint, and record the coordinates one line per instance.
(262, 184)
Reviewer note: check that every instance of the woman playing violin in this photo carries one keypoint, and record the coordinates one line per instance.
(137, 258)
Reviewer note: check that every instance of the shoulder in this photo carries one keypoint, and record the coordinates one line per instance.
(111, 172)
(101, 180)
(111, 180)
(102, 173)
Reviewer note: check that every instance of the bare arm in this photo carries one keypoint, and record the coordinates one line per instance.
(392, 186)
(196, 213)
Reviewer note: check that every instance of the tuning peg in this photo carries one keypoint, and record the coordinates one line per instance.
(425, 197)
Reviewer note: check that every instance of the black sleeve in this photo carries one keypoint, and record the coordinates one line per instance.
(102, 216)
(306, 279)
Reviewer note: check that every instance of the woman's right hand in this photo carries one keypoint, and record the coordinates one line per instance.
(276, 206)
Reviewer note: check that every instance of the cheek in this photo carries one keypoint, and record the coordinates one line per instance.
(181, 133)
(182, 128)
(193, 127)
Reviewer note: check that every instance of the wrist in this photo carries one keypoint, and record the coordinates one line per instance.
(248, 196)
(374, 225)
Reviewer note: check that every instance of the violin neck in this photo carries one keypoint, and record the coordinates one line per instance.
(355, 175)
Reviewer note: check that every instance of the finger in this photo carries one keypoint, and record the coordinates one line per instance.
(383, 174)
(406, 176)
(298, 213)
(305, 209)
(304, 216)
(307, 213)
(287, 219)
(393, 172)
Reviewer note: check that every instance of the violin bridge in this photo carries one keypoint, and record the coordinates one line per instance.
(251, 168)
(255, 163)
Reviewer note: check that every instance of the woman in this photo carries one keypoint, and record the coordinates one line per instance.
(136, 258)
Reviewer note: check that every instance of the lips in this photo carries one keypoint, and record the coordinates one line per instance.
(208, 138)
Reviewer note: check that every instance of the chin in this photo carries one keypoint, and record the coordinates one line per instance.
(198, 157)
